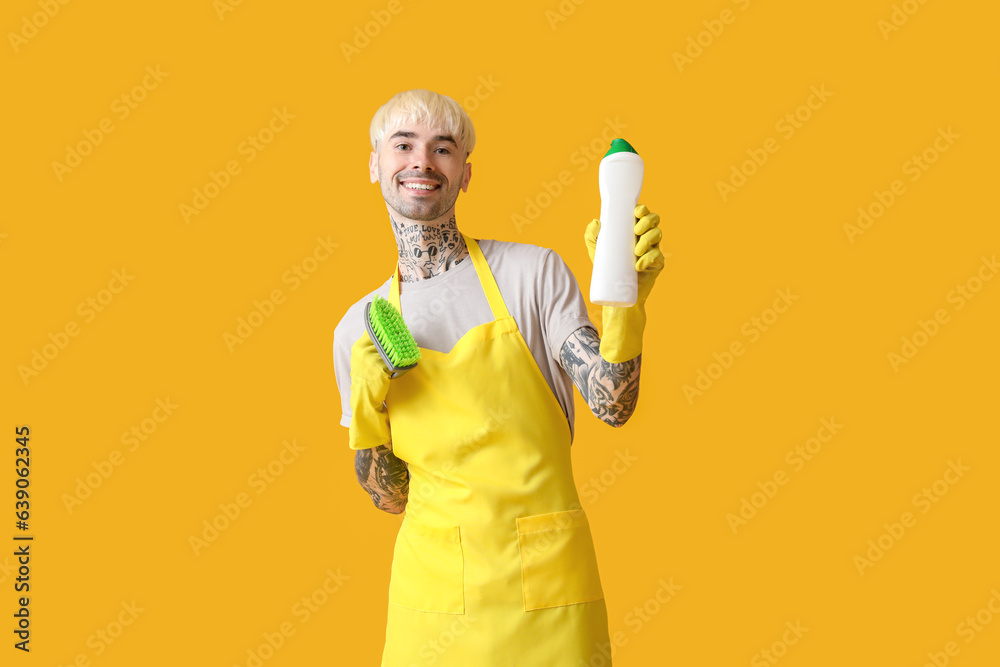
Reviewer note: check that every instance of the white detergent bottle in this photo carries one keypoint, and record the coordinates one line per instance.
(614, 281)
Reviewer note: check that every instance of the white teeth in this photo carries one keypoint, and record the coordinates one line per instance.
(419, 186)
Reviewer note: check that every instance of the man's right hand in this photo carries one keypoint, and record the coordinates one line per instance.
(369, 387)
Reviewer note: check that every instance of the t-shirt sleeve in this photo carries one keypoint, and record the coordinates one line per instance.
(342, 368)
(562, 307)
(350, 328)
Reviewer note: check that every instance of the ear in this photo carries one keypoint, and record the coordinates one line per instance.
(373, 167)
(466, 177)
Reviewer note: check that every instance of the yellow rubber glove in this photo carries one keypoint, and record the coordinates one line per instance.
(369, 387)
(622, 337)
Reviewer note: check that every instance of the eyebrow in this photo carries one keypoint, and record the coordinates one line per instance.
(412, 135)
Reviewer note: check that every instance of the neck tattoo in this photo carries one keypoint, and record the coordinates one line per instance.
(427, 250)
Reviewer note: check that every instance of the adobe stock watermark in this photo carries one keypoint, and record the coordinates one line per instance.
(134, 437)
(928, 329)
(563, 11)
(901, 13)
(449, 294)
(786, 126)
(223, 7)
(38, 20)
(584, 156)
(302, 610)
(485, 87)
(914, 167)
(7, 569)
(967, 629)
(364, 35)
(797, 457)
(102, 639)
(248, 149)
(575, 516)
(637, 618)
(259, 481)
(752, 329)
(923, 500)
(423, 488)
(436, 647)
(779, 648)
(122, 106)
(714, 28)
(590, 491)
(88, 310)
(294, 277)
(595, 487)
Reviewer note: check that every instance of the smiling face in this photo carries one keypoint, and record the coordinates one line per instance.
(420, 170)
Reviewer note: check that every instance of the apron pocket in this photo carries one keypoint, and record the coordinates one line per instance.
(427, 569)
(558, 562)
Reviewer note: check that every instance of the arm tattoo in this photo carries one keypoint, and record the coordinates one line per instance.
(384, 476)
(427, 250)
(610, 390)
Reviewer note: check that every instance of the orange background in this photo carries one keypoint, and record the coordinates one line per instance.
(540, 90)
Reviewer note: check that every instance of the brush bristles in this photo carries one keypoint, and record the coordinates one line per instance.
(393, 336)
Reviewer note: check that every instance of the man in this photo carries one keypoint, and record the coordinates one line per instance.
(494, 563)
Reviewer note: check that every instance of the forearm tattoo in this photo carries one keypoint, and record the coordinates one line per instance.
(610, 390)
(427, 250)
(385, 477)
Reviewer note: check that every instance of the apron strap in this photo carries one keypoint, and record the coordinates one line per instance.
(486, 279)
(489, 284)
(394, 290)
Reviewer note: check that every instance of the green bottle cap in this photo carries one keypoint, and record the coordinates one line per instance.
(621, 146)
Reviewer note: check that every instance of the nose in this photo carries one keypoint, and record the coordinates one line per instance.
(422, 159)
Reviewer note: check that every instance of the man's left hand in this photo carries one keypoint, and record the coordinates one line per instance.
(647, 247)
(622, 337)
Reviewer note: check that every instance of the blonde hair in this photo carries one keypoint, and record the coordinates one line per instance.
(428, 107)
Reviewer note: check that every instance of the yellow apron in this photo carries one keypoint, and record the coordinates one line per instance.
(494, 563)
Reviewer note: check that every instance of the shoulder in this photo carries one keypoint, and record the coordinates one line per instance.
(522, 255)
(352, 324)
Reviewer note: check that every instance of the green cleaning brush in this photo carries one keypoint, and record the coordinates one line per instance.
(392, 339)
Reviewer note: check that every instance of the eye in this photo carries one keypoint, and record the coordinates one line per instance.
(443, 150)
(402, 146)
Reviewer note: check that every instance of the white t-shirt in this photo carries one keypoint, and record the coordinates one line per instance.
(540, 292)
